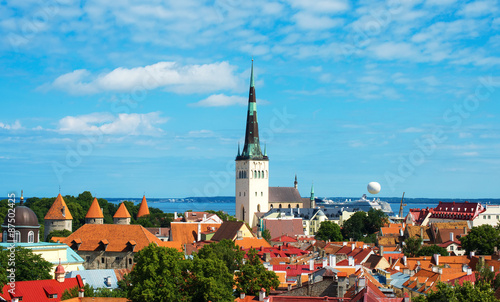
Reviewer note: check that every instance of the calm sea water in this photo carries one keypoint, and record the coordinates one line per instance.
(227, 204)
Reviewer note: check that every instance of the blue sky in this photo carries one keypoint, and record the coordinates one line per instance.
(123, 97)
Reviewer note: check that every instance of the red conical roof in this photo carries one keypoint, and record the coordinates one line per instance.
(59, 210)
(94, 210)
(122, 212)
(143, 208)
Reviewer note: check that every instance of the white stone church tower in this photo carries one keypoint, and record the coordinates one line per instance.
(252, 168)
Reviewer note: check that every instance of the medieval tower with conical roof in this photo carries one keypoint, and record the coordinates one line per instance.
(58, 217)
(252, 168)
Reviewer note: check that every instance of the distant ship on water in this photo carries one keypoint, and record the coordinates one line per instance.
(362, 204)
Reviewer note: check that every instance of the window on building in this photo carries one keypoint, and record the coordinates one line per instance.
(117, 259)
(18, 236)
(255, 193)
(280, 206)
(129, 260)
(261, 193)
(31, 237)
(289, 206)
(4, 236)
(102, 259)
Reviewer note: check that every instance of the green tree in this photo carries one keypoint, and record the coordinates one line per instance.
(329, 230)
(412, 246)
(224, 250)
(29, 266)
(253, 276)
(482, 239)
(374, 220)
(430, 250)
(354, 227)
(484, 274)
(162, 274)
(480, 292)
(209, 280)
(91, 292)
(266, 234)
(57, 233)
(157, 275)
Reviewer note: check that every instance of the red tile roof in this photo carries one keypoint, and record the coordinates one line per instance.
(187, 232)
(458, 210)
(284, 238)
(281, 251)
(418, 215)
(120, 237)
(248, 243)
(143, 208)
(278, 227)
(94, 210)
(56, 210)
(122, 212)
(38, 291)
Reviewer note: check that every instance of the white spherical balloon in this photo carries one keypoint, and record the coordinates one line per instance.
(373, 187)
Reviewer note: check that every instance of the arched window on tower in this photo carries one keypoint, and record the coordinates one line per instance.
(289, 206)
(297, 206)
(31, 237)
(254, 174)
(280, 206)
(4, 238)
(272, 206)
(18, 236)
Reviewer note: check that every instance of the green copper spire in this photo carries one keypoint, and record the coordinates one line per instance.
(239, 153)
(252, 84)
(312, 191)
(265, 150)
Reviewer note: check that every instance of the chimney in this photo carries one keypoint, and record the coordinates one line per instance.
(422, 233)
(365, 246)
(187, 215)
(259, 234)
(199, 232)
(492, 268)
(436, 259)
(440, 271)
(401, 232)
(311, 265)
(390, 260)
(81, 293)
(452, 238)
(262, 294)
(267, 257)
(289, 288)
(344, 243)
(333, 260)
(351, 261)
(325, 262)
(404, 260)
(242, 296)
(204, 217)
(175, 215)
(469, 271)
(381, 250)
(353, 246)
(472, 254)
(361, 284)
(298, 211)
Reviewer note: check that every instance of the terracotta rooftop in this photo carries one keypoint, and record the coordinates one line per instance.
(284, 238)
(143, 208)
(120, 237)
(247, 243)
(122, 212)
(59, 210)
(228, 230)
(289, 227)
(94, 210)
(187, 232)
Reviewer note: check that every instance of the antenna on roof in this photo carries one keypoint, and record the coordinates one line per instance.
(59, 189)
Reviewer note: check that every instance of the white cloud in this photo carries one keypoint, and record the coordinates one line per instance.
(465, 135)
(221, 100)
(169, 75)
(310, 21)
(412, 130)
(470, 154)
(479, 8)
(106, 123)
(394, 51)
(201, 133)
(321, 6)
(15, 126)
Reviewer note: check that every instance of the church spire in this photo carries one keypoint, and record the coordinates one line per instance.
(251, 148)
